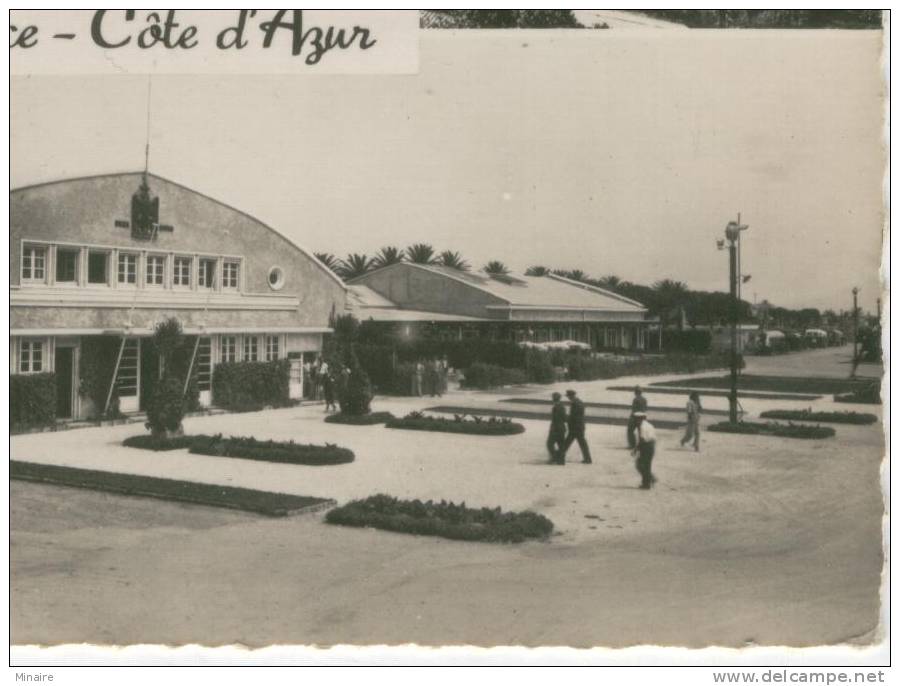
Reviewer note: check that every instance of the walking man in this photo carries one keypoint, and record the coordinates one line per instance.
(576, 428)
(645, 449)
(693, 421)
(638, 404)
(557, 438)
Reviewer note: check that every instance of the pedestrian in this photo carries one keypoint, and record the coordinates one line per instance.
(557, 437)
(343, 383)
(576, 428)
(328, 390)
(316, 379)
(638, 404)
(417, 378)
(694, 408)
(432, 378)
(645, 449)
(443, 370)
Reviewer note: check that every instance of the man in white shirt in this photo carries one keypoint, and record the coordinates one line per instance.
(645, 449)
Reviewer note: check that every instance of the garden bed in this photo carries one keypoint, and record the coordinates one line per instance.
(271, 451)
(778, 384)
(443, 519)
(806, 431)
(151, 442)
(261, 502)
(360, 419)
(714, 393)
(545, 416)
(811, 416)
(477, 425)
(870, 395)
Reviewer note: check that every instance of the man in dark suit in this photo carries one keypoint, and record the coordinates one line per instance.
(639, 404)
(557, 438)
(576, 428)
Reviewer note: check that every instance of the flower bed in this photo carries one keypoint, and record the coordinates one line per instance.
(151, 442)
(774, 429)
(359, 419)
(481, 426)
(271, 451)
(810, 416)
(441, 519)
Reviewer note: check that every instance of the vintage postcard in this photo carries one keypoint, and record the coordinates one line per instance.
(542, 329)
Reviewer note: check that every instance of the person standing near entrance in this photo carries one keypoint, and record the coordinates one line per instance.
(576, 428)
(638, 404)
(557, 437)
(693, 421)
(645, 450)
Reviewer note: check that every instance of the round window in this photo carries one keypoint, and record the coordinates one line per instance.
(276, 278)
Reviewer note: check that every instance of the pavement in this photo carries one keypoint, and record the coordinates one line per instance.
(752, 540)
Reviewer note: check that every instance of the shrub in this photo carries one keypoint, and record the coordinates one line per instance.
(32, 400)
(444, 519)
(165, 410)
(774, 429)
(870, 395)
(810, 416)
(151, 442)
(271, 451)
(539, 367)
(482, 426)
(242, 385)
(359, 420)
(694, 341)
(483, 376)
(357, 396)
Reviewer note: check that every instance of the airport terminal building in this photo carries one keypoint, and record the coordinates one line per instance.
(111, 256)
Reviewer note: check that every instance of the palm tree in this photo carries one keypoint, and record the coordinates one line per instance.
(387, 256)
(670, 295)
(354, 265)
(577, 275)
(453, 260)
(329, 260)
(420, 253)
(537, 270)
(495, 267)
(610, 282)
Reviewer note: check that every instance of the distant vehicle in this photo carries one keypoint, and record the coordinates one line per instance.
(772, 341)
(816, 338)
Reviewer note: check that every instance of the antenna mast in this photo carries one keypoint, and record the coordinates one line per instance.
(147, 144)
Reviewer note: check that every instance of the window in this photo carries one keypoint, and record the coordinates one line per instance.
(183, 271)
(127, 268)
(31, 357)
(229, 349)
(230, 274)
(34, 262)
(271, 348)
(251, 351)
(98, 267)
(156, 269)
(206, 273)
(67, 265)
(276, 278)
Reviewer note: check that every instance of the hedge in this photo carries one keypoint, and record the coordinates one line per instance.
(810, 416)
(443, 519)
(483, 376)
(477, 425)
(359, 419)
(32, 400)
(251, 385)
(271, 451)
(695, 341)
(774, 429)
(151, 442)
(871, 395)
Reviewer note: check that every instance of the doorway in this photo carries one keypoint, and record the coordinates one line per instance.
(64, 364)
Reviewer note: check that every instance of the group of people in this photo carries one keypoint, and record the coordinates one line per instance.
(429, 377)
(568, 427)
(326, 383)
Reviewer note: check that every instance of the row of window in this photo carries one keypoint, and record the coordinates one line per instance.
(69, 263)
(32, 354)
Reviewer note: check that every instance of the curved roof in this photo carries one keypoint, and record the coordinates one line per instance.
(151, 175)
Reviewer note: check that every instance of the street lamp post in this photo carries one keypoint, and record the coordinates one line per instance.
(733, 235)
(855, 332)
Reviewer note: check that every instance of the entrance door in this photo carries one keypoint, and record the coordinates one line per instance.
(65, 384)
(295, 384)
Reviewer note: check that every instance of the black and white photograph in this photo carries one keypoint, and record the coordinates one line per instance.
(492, 329)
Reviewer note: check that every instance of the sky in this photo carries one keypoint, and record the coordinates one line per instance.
(613, 152)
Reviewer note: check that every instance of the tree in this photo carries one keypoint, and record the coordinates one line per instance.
(329, 260)
(577, 275)
(354, 265)
(537, 270)
(387, 256)
(453, 260)
(420, 253)
(357, 396)
(669, 296)
(165, 409)
(495, 267)
(610, 282)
